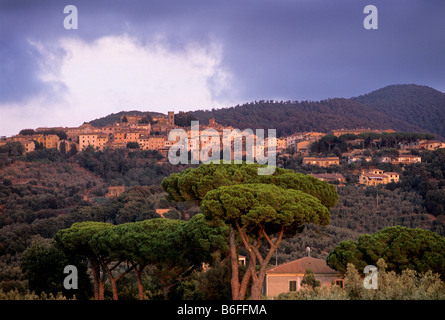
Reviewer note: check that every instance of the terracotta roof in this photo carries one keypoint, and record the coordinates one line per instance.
(301, 265)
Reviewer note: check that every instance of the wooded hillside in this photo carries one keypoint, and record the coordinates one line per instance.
(406, 108)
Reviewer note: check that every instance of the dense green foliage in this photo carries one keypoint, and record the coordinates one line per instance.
(288, 117)
(384, 142)
(43, 265)
(264, 207)
(408, 285)
(192, 184)
(428, 179)
(171, 248)
(121, 167)
(401, 248)
(418, 105)
(357, 213)
(184, 119)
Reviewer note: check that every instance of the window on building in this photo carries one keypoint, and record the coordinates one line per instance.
(293, 285)
(339, 283)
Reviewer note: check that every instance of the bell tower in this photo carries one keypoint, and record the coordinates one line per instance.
(171, 118)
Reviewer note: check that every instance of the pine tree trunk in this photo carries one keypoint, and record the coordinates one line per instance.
(235, 284)
(101, 292)
(139, 280)
(98, 284)
(256, 290)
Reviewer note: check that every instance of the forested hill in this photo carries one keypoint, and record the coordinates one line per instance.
(290, 117)
(409, 108)
(417, 105)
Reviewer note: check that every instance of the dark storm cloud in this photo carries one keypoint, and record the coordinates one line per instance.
(274, 49)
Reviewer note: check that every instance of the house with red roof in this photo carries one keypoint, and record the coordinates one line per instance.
(287, 277)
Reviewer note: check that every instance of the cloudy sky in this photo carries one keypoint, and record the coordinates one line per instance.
(201, 54)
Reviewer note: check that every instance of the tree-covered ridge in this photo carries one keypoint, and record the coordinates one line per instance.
(387, 142)
(408, 108)
(288, 117)
(417, 105)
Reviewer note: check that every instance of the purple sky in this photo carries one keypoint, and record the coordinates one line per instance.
(187, 55)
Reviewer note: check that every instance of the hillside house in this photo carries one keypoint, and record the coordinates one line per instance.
(74, 132)
(375, 177)
(134, 135)
(48, 141)
(407, 159)
(152, 142)
(431, 145)
(97, 141)
(322, 162)
(287, 277)
(293, 139)
(28, 146)
(304, 146)
(119, 136)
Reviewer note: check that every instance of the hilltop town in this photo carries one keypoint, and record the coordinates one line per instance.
(144, 132)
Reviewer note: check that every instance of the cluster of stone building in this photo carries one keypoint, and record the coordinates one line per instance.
(130, 128)
(148, 136)
(153, 135)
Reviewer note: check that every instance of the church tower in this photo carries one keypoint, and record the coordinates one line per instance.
(171, 118)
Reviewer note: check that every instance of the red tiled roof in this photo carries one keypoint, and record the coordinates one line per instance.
(301, 265)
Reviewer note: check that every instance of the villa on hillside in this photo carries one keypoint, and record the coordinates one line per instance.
(407, 159)
(432, 145)
(287, 277)
(376, 176)
(322, 162)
